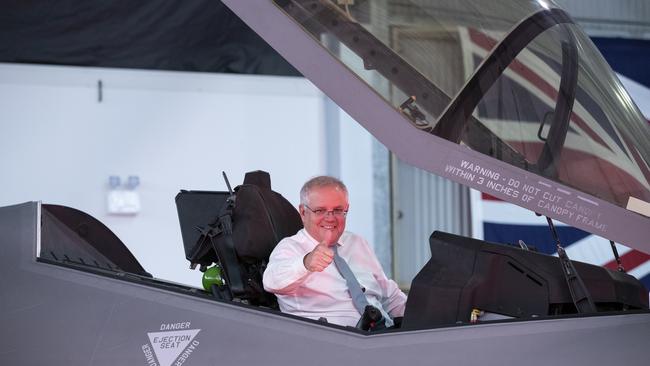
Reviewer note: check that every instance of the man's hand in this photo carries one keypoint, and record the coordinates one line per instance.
(319, 258)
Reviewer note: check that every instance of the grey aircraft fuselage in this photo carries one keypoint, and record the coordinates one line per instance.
(56, 315)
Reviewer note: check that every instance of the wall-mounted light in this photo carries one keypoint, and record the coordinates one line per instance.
(123, 199)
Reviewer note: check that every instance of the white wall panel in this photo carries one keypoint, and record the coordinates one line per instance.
(174, 130)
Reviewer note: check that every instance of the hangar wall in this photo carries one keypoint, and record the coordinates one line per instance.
(59, 143)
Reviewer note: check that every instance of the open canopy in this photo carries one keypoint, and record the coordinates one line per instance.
(510, 98)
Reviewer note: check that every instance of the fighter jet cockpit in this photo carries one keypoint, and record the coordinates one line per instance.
(228, 236)
(518, 87)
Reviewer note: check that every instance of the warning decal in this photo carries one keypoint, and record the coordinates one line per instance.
(168, 346)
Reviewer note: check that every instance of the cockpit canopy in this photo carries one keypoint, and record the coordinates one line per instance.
(516, 82)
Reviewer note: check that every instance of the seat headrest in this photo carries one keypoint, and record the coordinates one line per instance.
(258, 178)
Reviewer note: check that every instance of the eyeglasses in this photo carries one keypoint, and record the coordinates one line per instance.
(321, 212)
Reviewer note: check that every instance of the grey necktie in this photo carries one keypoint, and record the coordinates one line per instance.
(358, 298)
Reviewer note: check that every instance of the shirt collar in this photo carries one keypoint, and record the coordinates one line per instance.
(315, 242)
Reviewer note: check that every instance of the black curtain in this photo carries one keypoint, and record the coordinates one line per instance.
(184, 35)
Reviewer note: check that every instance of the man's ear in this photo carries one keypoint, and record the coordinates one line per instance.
(301, 210)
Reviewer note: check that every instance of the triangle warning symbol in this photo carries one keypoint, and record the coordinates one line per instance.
(168, 345)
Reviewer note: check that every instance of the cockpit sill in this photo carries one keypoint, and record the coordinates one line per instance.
(98, 265)
(196, 293)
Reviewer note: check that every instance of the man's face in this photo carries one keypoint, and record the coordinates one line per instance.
(328, 227)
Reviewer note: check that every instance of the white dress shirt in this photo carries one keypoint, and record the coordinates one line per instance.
(325, 294)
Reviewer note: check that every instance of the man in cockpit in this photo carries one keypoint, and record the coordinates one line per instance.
(301, 271)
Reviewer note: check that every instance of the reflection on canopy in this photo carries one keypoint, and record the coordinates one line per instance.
(533, 93)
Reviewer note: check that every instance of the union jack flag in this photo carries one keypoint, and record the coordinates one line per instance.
(596, 155)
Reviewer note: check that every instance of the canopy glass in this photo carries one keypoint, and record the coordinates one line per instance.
(517, 81)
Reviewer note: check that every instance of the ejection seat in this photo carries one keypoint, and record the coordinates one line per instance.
(237, 230)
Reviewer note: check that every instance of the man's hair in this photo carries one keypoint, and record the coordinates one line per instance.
(320, 182)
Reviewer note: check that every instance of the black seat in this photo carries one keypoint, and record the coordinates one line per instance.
(240, 235)
(261, 218)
